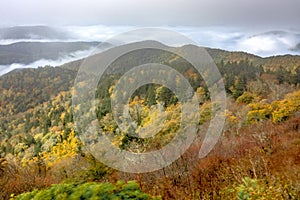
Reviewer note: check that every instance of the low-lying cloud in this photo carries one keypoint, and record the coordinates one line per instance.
(263, 43)
(41, 63)
(260, 42)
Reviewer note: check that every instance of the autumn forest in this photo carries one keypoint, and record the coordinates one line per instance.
(257, 156)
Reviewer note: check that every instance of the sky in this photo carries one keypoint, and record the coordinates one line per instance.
(151, 12)
(234, 25)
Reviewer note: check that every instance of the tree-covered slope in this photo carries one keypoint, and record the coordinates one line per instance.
(39, 143)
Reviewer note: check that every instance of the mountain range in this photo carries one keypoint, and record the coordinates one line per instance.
(29, 52)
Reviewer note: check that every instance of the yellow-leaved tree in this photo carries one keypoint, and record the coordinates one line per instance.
(67, 148)
(285, 108)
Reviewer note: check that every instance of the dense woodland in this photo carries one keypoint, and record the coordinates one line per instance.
(257, 157)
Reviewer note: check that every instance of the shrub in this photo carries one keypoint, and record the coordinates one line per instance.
(286, 108)
(258, 112)
(246, 98)
(90, 190)
(259, 189)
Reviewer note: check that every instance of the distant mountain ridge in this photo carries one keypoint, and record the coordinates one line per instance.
(272, 63)
(28, 52)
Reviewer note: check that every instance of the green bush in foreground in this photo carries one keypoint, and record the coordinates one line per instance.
(90, 190)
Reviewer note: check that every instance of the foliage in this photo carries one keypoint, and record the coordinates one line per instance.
(3, 164)
(28, 88)
(90, 190)
(246, 98)
(286, 108)
(39, 145)
(259, 111)
(279, 111)
(259, 189)
(69, 147)
(205, 113)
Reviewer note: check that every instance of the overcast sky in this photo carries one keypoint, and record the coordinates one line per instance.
(151, 12)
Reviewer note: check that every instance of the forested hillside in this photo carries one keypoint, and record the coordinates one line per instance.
(258, 155)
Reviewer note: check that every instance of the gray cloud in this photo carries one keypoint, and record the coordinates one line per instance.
(151, 12)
